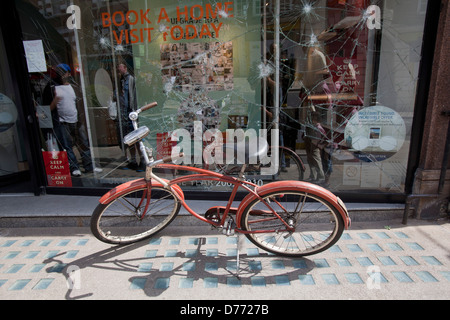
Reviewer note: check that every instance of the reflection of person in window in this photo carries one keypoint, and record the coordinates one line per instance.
(315, 141)
(316, 81)
(317, 75)
(128, 104)
(68, 129)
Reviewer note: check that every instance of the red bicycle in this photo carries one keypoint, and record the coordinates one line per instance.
(287, 218)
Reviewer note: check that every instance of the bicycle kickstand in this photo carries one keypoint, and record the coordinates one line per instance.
(238, 260)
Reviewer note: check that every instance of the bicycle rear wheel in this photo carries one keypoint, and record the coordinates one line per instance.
(317, 224)
(126, 219)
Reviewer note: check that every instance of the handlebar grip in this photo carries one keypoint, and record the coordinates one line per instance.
(149, 106)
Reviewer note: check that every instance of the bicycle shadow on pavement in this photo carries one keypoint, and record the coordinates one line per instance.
(238, 271)
(107, 259)
(222, 268)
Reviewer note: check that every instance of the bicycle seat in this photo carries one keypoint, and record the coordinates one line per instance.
(248, 152)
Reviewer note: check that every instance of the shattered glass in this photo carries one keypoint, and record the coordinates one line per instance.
(336, 77)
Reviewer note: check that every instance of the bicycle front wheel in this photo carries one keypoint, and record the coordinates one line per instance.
(134, 216)
(316, 224)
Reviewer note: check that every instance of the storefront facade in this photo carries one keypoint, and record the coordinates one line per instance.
(340, 81)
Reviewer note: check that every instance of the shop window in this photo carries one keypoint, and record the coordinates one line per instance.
(336, 77)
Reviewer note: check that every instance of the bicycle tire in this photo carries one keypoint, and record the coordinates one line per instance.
(310, 237)
(120, 222)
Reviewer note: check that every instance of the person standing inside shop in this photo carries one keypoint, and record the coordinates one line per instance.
(316, 82)
(127, 104)
(315, 140)
(69, 131)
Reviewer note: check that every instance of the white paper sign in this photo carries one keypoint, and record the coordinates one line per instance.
(34, 52)
(352, 174)
(370, 176)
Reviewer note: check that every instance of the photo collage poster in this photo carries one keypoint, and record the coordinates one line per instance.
(205, 67)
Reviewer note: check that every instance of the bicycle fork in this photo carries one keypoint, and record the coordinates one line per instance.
(147, 197)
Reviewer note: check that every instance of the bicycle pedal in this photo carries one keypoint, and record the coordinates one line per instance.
(228, 230)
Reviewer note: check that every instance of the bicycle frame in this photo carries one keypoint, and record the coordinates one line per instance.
(254, 192)
(201, 175)
(206, 175)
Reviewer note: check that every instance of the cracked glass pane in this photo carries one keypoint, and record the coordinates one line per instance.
(336, 77)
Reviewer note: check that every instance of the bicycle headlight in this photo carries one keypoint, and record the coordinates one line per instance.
(136, 136)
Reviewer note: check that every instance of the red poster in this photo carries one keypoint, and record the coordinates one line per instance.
(164, 145)
(346, 74)
(57, 168)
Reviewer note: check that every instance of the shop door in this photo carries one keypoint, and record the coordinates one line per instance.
(14, 167)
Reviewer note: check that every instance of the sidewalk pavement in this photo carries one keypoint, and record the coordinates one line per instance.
(373, 260)
(26, 210)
